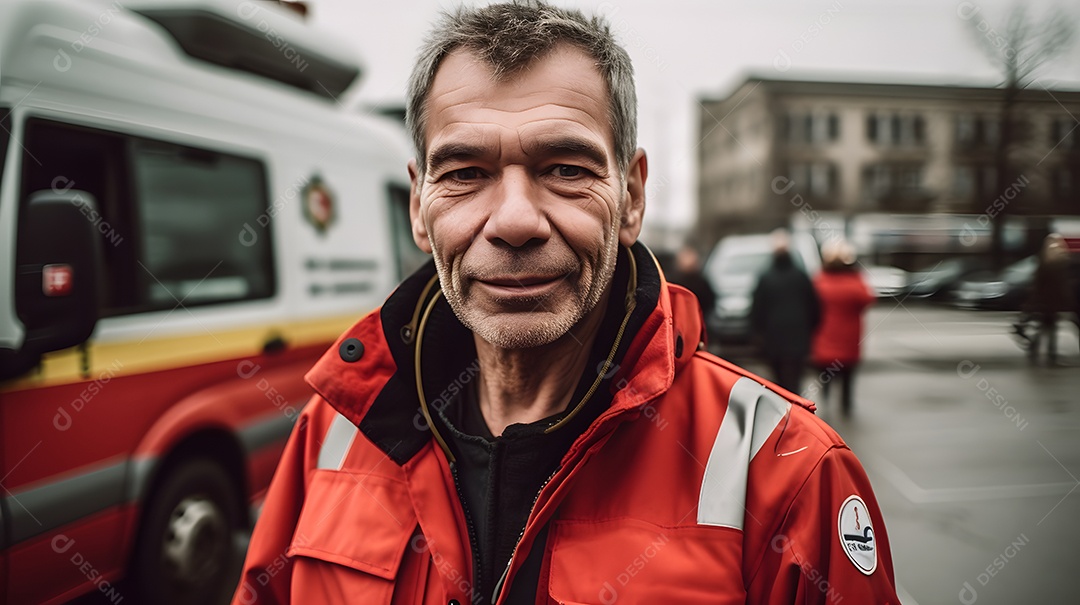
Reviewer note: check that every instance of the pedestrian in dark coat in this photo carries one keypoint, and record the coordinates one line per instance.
(844, 296)
(1051, 294)
(688, 274)
(783, 316)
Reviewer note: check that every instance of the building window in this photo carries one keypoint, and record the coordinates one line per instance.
(977, 131)
(991, 131)
(987, 179)
(813, 179)
(918, 129)
(892, 181)
(1065, 184)
(965, 129)
(1065, 134)
(810, 128)
(963, 181)
(895, 129)
(978, 180)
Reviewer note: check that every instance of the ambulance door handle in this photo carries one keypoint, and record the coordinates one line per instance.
(274, 345)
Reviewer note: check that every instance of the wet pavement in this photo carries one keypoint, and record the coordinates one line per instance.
(973, 452)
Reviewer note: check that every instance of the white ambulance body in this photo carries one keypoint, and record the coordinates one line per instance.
(188, 218)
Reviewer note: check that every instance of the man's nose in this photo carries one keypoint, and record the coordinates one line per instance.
(517, 217)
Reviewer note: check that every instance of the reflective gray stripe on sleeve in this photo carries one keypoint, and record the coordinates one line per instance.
(339, 438)
(753, 413)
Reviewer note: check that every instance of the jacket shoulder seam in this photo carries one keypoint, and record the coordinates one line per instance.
(727, 365)
(791, 504)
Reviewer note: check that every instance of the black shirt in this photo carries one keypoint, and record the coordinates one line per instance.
(499, 478)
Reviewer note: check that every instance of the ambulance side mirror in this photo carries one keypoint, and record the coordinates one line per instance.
(58, 262)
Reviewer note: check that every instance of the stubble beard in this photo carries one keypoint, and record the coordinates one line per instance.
(543, 324)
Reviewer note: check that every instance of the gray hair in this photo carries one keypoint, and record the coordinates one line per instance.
(509, 37)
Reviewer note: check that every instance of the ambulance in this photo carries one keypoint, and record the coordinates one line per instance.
(189, 216)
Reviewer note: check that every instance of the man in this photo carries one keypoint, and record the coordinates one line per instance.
(530, 419)
(784, 313)
(688, 274)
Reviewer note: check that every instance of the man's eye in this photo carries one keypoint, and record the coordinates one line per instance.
(568, 172)
(465, 174)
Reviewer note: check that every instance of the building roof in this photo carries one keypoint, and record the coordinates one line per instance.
(860, 87)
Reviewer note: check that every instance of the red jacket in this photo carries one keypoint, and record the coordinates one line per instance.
(844, 295)
(701, 483)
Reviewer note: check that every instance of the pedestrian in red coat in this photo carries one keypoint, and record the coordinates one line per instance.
(844, 297)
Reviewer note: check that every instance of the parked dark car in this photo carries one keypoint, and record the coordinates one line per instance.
(937, 281)
(1004, 290)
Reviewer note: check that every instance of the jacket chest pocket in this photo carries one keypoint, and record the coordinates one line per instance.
(353, 540)
(628, 561)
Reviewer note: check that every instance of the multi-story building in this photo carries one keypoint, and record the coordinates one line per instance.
(775, 148)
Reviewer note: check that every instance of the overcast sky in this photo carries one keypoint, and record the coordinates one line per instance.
(683, 49)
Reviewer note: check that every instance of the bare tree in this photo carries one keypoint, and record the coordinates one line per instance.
(1018, 50)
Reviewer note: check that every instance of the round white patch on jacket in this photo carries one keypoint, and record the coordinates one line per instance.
(857, 534)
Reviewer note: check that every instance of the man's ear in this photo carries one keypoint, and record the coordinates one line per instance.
(419, 229)
(633, 210)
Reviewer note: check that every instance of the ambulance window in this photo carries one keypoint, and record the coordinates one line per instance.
(171, 217)
(409, 257)
(62, 157)
(193, 207)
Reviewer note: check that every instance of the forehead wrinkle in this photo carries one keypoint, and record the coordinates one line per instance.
(467, 141)
(581, 114)
(565, 144)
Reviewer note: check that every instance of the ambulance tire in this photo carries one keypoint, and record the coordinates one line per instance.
(186, 549)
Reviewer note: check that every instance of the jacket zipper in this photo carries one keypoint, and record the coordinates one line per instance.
(506, 571)
(513, 553)
(469, 526)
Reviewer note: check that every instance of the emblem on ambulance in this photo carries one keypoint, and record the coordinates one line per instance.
(319, 207)
(857, 534)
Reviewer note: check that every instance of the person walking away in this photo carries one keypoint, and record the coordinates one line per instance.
(784, 314)
(844, 296)
(1051, 294)
(688, 274)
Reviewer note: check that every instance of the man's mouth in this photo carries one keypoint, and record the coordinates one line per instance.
(525, 286)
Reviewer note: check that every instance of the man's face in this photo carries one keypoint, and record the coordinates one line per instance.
(522, 203)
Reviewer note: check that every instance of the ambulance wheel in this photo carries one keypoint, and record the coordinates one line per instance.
(186, 548)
